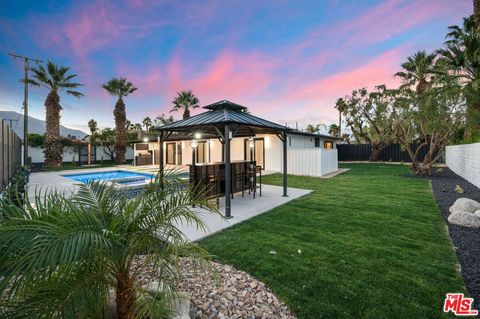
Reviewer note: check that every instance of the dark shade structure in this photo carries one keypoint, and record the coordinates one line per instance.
(224, 120)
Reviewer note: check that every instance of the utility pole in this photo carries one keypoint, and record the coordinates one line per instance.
(26, 67)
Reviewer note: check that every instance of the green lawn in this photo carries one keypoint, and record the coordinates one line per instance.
(373, 245)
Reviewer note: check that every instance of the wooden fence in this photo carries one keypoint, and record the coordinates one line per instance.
(392, 153)
(10, 153)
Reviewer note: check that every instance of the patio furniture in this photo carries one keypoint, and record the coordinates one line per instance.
(210, 177)
(224, 121)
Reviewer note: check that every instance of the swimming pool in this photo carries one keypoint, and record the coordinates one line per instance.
(109, 176)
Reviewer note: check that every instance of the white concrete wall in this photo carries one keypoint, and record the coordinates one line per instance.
(36, 153)
(312, 162)
(464, 160)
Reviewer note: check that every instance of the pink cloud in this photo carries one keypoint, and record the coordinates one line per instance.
(387, 19)
(229, 75)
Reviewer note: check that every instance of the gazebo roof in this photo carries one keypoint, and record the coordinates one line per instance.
(218, 115)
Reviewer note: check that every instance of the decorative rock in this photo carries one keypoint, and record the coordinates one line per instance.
(464, 218)
(464, 204)
(225, 293)
(477, 213)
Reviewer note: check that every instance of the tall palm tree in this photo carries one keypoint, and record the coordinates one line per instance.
(55, 78)
(147, 122)
(185, 100)
(418, 70)
(460, 58)
(476, 12)
(120, 88)
(70, 256)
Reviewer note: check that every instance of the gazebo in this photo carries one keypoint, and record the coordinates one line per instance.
(224, 120)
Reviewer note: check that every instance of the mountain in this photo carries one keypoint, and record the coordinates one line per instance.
(34, 125)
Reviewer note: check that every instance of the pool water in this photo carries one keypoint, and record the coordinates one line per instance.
(108, 175)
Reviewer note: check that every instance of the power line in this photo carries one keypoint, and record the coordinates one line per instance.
(26, 67)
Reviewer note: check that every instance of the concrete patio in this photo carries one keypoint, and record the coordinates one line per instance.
(243, 208)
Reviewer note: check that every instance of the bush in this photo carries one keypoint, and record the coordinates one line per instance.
(15, 191)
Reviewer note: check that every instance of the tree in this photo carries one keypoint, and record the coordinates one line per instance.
(429, 119)
(120, 88)
(66, 256)
(418, 70)
(56, 79)
(185, 100)
(147, 122)
(369, 117)
(106, 140)
(334, 130)
(312, 128)
(346, 137)
(476, 12)
(460, 58)
(163, 119)
(137, 127)
(92, 126)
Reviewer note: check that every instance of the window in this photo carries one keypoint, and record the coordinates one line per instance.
(317, 141)
(328, 145)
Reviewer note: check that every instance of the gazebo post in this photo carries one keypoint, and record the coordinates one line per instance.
(228, 208)
(160, 157)
(285, 176)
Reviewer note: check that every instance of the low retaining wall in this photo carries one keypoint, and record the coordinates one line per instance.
(464, 160)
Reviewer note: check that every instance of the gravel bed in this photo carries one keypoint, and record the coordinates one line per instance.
(224, 293)
(465, 240)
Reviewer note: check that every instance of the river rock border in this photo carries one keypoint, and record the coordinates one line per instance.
(230, 293)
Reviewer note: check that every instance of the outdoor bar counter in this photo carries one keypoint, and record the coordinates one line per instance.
(211, 176)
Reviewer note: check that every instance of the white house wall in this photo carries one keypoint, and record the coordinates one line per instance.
(303, 157)
(70, 154)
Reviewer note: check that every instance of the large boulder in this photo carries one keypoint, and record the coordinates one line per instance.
(465, 204)
(464, 218)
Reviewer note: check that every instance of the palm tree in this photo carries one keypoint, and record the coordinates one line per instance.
(312, 128)
(69, 257)
(334, 130)
(185, 100)
(55, 78)
(92, 126)
(147, 122)
(476, 12)
(137, 127)
(120, 88)
(460, 58)
(418, 70)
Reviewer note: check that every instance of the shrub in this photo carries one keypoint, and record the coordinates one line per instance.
(61, 256)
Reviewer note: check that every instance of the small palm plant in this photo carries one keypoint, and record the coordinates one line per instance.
(185, 101)
(68, 257)
(55, 78)
(120, 88)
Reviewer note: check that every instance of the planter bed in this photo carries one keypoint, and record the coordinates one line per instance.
(465, 240)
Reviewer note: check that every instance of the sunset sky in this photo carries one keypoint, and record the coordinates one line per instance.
(288, 61)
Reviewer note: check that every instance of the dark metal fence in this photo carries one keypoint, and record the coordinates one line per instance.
(392, 153)
(10, 153)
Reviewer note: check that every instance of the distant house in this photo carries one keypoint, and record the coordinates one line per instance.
(308, 153)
